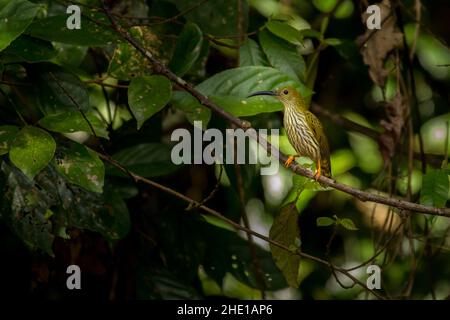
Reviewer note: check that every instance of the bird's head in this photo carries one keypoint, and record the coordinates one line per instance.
(287, 95)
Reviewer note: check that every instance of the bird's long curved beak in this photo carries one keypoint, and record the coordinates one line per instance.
(263, 93)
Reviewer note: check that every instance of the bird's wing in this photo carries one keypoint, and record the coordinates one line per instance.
(316, 127)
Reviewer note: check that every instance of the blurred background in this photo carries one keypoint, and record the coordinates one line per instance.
(373, 94)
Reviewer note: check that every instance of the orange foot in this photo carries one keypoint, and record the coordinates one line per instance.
(318, 172)
(289, 161)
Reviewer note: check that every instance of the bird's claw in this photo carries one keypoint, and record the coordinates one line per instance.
(289, 161)
(318, 173)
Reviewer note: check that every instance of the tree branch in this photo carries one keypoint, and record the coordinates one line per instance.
(362, 195)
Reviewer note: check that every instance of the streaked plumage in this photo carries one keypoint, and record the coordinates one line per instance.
(304, 130)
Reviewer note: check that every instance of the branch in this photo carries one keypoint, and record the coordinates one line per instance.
(369, 132)
(159, 67)
(346, 123)
(237, 226)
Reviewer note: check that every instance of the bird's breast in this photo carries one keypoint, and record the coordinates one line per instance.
(300, 135)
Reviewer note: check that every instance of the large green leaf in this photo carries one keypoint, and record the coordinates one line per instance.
(58, 90)
(215, 17)
(435, 187)
(285, 230)
(242, 108)
(7, 135)
(285, 31)
(127, 62)
(282, 55)
(32, 150)
(91, 33)
(147, 159)
(73, 121)
(81, 166)
(15, 16)
(187, 50)
(147, 95)
(29, 49)
(250, 54)
(230, 88)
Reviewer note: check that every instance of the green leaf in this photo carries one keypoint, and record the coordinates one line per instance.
(241, 82)
(435, 188)
(344, 10)
(82, 166)
(29, 49)
(436, 135)
(148, 95)
(231, 87)
(285, 230)
(325, 221)
(69, 55)
(7, 135)
(310, 33)
(285, 31)
(347, 224)
(282, 55)
(187, 50)
(69, 122)
(32, 150)
(127, 62)
(15, 16)
(242, 108)
(147, 159)
(215, 17)
(58, 89)
(333, 41)
(90, 34)
(325, 5)
(192, 109)
(250, 54)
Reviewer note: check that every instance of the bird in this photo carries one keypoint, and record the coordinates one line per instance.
(304, 130)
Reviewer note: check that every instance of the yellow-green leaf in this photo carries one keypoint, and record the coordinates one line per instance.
(347, 224)
(32, 150)
(325, 221)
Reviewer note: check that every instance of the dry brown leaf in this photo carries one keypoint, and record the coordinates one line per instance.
(378, 45)
(396, 112)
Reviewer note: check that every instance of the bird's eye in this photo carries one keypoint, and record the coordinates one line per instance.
(285, 92)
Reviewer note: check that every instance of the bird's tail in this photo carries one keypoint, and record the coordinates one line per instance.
(325, 166)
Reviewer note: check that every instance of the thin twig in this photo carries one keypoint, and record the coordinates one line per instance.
(101, 83)
(211, 194)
